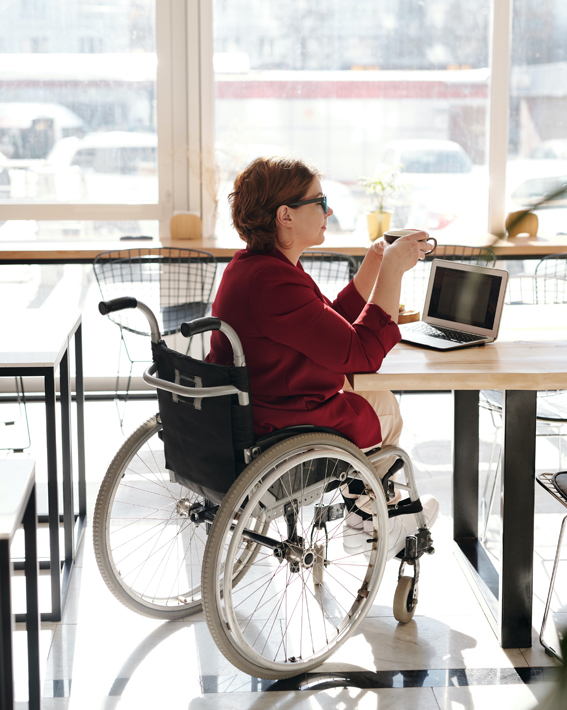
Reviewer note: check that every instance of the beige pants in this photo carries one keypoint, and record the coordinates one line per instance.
(387, 409)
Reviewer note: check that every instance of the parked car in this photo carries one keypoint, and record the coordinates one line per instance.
(117, 166)
(555, 149)
(28, 130)
(452, 201)
(438, 176)
(529, 182)
(425, 157)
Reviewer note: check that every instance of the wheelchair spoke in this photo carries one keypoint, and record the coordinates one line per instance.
(153, 552)
(150, 553)
(302, 598)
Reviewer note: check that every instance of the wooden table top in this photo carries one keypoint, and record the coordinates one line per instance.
(355, 245)
(529, 354)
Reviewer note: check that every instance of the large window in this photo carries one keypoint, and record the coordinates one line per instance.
(78, 112)
(537, 155)
(78, 104)
(111, 113)
(359, 89)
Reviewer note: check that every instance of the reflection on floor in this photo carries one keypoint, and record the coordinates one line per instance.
(104, 656)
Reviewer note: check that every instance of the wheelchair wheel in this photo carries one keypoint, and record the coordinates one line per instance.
(405, 600)
(280, 620)
(148, 551)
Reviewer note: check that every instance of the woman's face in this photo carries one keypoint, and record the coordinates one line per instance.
(311, 220)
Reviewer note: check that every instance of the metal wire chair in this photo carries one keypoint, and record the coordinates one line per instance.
(555, 485)
(551, 279)
(330, 271)
(175, 283)
(548, 285)
(414, 282)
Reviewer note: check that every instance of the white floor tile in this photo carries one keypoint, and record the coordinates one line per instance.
(382, 699)
(119, 659)
(492, 697)
(449, 642)
(47, 704)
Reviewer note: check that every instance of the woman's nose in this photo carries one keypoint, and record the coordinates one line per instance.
(329, 211)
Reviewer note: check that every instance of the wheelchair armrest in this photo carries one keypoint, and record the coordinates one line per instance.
(193, 392)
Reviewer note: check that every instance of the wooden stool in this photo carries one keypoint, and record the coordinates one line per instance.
(522, 222)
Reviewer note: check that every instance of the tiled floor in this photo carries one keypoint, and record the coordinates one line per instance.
(104, 656)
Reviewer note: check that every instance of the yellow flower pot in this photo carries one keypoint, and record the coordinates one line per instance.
(378, 223)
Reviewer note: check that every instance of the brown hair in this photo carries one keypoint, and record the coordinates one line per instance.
(265, 185)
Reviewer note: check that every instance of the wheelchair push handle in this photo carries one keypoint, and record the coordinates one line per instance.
(120, 304)
(117, 304)
(200, 325)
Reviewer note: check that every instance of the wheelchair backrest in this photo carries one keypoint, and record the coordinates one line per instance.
(203, 437)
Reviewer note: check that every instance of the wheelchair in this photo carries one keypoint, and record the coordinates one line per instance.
(196, 513)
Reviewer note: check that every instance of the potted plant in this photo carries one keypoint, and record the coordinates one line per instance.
(384, 188)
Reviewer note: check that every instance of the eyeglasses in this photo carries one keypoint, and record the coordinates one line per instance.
(317, 200)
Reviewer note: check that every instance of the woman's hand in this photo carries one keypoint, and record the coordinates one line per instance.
(378, 248)
(403, 254)
(366, 275)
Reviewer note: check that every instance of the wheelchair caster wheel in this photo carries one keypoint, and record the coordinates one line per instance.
(319, 564)
(405, 600)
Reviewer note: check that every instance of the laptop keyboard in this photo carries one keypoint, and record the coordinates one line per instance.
(455, 336)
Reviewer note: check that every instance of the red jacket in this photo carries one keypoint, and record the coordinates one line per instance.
(299, 346)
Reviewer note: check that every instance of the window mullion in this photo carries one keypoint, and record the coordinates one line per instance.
(500, 43)
(164, 94)
(193, 104)
(207, 119)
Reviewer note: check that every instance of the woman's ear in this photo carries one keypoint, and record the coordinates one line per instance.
(283, 216)
(284, 227)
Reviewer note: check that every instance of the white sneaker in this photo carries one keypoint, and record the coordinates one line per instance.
(403, 525)
(353, 533)
(353, 540)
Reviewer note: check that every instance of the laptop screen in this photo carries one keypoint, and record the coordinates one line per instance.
(465, 297)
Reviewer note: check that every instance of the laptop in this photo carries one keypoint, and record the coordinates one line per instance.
(463, 307)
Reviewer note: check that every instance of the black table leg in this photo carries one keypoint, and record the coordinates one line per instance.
(53, 499)
(80, 400)
(6, 628)
(470, 553)
(465, 465)
(68, 502)
(32, 603)
(505, 594)
(518, 488)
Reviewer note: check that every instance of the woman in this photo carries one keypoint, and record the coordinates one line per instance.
(298, 345)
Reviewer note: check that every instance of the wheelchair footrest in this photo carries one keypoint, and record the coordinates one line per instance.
(404, 507)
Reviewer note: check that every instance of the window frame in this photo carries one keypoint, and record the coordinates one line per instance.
(186, 126)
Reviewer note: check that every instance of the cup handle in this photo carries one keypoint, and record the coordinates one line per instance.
(432, 239)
